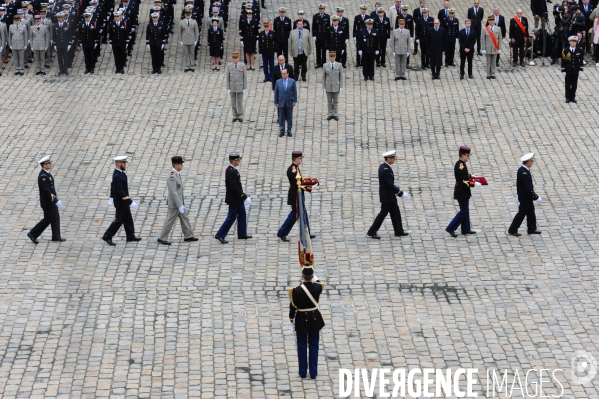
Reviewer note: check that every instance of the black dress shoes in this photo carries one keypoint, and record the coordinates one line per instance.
(281, 134)
(163, 242)
(470, 77)
(222, 240)
(571, 100)
(514, 234)
(284, 239)
(109, 241)
(59, 239)
(397, 78)
(191, 239)
(375, 236)
(133, 239)
(461, 77)
(402, 234)
(336, 118)
(32, 238)
(289, 134)
(329, 118)
(244, 237)
(469, 232)
(535, 232)
(567, 100)
(452, 233)
(312, 235)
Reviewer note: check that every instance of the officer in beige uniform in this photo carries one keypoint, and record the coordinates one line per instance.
(491, 45)
(18, 37)
(332, 84)
(176, 205)
(3, 37)
(40, 41)
(189, 33)
(400, 47)
(47, 22)
(236, 81)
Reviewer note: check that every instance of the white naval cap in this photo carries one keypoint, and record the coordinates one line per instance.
(44, 160)
(122, 158)
(575, 38)
(527, 157)
(389, 154)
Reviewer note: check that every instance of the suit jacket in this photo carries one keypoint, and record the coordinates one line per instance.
(276, 75)
(538, 7)
(476, 18)
(572, 61)
(119, 189)
(515, 31)
(486, 43)
(17, 37)
(500, 22)
(436, 40)
(45, 183)
(175, 198)
(393, 14)
(524, 186)
(307, 43)
(417, 14)
(359, 24)
(40, 40)
(285, 97)
(578, 25)
(88, 36)
(236, 79)
(467, 41)
(441, 15)
(400, 42)
(387, 187)
(235, 195)
(310, 321)
(332, 77)
(188, 34)
(461, 191)
(587, 14)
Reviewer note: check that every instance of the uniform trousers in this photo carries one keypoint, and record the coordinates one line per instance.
(491, 66)
(387, 208)
(424, 56)
(122, 218)
(156, 53)
(461, 218)
(51, 218)
(48, 57)
(120, 57)
(89, 55)
(236, 212)
(571, 86)
(40, 60)
(343, 59)
(171, 217)
(19, 59)
(268, 64)
(526, 209)
(237, 104)
(380, 59)
(300, 62)
(368, 65)
(332, 102)
(449, 52)
(400, 65)
(321, 52)
(464, 56)
(289, 222)
(188, 56)
(283, 49)
(308, 342)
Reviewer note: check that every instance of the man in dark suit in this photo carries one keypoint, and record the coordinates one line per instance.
(538, 9)
(49, 202)
(572, 67)
(368, 49)
(416, 15)
(387, 192)
(476, 15)
(276, 75)
(462, 194)
(500, 22)
(443, 13)
(586, 9)
(467, 39)
(526, 197)
(518, 37)
(236, 199)
(436, 38)
(285, 100)
(119, 197)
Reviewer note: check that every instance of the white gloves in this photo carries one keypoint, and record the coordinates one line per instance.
(95, 45)
(473, 175)
(417, 40)
(498, 51)
(340, 90)
(148, 46)
(292, 327)
(132, 29)
(28, 41)
(162, 47)
(182, 43)
(315, 187)
(241, 41)
(110, 47)
(346, 41)
(45, 48)
(0, 49)
(376, 52)
(324, 91)
(394, 54)
(228, 91)
(134, 206)
(195, 43)
(80, 44)
(110, 201)
(59, 205)
(314, 37)
(343, 51)
(354, 39)
(182, 209)
(245, 91)
(256, 43)
(405, 195)
(314, 278)
(484, 51)
(408, 54)
(411, 40)
(580, 72)
(477, 184)
(69, 47)
(457, 40)
(388, 40)
(25, 48)
(248, 201)
(360, 52)
(539, 200)
(564, 73)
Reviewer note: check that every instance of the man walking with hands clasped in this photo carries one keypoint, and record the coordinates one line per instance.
(526, 197)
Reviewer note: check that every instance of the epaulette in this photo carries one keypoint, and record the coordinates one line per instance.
(321, 284)
(290, 291)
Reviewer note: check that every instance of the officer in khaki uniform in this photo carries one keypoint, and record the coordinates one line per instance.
(40, 41)
(176, 205)
(400, 47)
(236, 80)
(3, 36)
(488, 45)
(332, 84)
(189, 32)
(18, 37)
(48, 23)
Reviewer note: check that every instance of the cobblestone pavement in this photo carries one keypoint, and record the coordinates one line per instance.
(82, 319)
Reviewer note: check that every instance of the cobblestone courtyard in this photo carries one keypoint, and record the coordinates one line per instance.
(82, 319)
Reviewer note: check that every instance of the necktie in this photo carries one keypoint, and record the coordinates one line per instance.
(332, 65)
(446, 13)
(38, 28)
(155, 25)
(436, 29)
(187, 22)
(285, 84)
(467, 32)
(475, 11)
(369, 31)
(235, 66)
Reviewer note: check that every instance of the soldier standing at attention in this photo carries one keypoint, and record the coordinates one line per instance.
(18, 38)
(359, 25)
(189, 32)
(49, 202)
(267, 47)
(572, 67)
(88, 40)
(400, 46)
(368, 49)
(236, 80)
(281, 28)
(452, 28)
(321, 23)
(155, 42)
(176, 205)
(332, 84)
(40, 41)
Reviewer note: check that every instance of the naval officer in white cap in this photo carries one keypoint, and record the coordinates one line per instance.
(526, 197)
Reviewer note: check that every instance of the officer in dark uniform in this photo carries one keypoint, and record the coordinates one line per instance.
(119, 35)
(526, 197)
(409, 25)
(336, 38)
(303, 310)
(387, 192)
(119, 197)
(572, 67)
(344, 24)
(88, 40)
(49, 202)
(155, 43)
(63, 41)
(300, 17)
(452, 29)
(368, 49)
(236, 199)
(382, 25)
(267, 48)
(130, 15)
(359, 25)
(422, 28)
(321, 22)
(281, 27)
(293, 172)
(462, 194)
